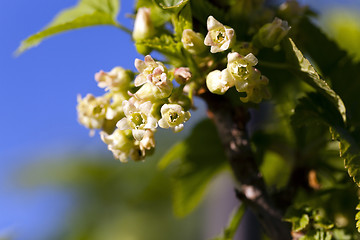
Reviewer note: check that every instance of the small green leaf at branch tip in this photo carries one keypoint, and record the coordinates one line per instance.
(87, 13)
(235, 220)
(175, 5)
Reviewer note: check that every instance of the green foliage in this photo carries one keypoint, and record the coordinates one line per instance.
(343, 26)
(235, 219)
(110, 201)
(164, 44)
(310, 224)
(310, 75)
(174, 5)
(87, 13)
(196, 165)
(182, 21)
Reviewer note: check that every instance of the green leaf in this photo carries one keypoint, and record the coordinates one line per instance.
(350, 152)
(197, 160)
(299, 222)
(235, 219)
(338, 66)
(183, 21)
(174, 5)
(164, 44)
(87, 13)
(309, 74)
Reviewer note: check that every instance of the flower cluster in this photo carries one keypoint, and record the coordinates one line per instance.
(133, 107)
(240, 71)
(129, 120)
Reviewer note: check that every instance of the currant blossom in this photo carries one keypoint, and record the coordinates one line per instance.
(154, 73)
(173, 116)
(219, 82)
(148, 141)
(92, 110)
(219, 37)
(241, 67)
(117, 79)
(137, 118)
(120, 143)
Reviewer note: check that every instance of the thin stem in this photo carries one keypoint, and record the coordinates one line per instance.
(125, 29)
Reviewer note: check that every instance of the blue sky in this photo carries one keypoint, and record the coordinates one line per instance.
(38, 99)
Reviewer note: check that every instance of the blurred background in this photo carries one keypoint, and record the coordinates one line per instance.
(57, 182)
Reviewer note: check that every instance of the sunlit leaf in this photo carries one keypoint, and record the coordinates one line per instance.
(171, 4)
(87, 13)
(314, 79)
(164, 44)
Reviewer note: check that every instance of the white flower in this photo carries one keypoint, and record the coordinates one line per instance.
(154, 73)
(92, 110)
(173, 116)
(219, 82)
(137, 118)
(219, 37)
(120, 143)
(148, 141)
(117, 79)
(240, 67)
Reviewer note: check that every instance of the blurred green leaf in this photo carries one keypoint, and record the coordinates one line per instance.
(343, 25)
(198, 159)
(275, 169)
(175, 5)
(298, 218)
(86, 13)
(235, 219)
(112, 200)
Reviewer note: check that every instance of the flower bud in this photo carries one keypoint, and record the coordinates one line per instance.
(219, 37)
(271, 34)
(182, 75)
(143, 26)
(193, 42)
(219, 82)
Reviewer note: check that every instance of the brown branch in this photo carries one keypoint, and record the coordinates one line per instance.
(231, 122)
